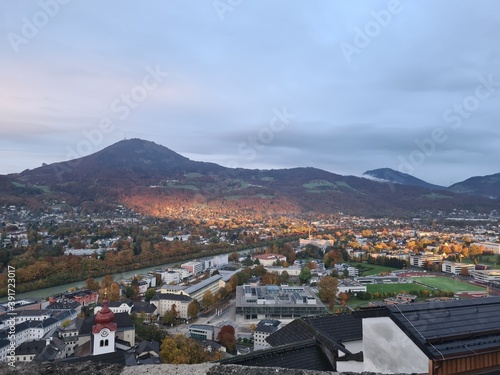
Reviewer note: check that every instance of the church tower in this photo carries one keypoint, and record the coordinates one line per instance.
(104, 331)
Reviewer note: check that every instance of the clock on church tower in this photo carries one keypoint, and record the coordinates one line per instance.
(104, 331)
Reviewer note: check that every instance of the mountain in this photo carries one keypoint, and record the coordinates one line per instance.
(155, 180)
(487, 186)
(395, 177)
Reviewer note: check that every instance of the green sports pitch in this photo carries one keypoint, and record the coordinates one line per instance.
(448, 284)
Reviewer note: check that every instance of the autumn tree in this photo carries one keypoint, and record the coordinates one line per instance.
(208, 300)
(106, 284)
(180, 349)
(344, 297)
(170, 316)
(332, 257)
(114, 293)
(227, 338)
(475, 251)
(464, 271)
(283, 278)
(234, 257)
(193, 309)
(327, 289)
(91, 284)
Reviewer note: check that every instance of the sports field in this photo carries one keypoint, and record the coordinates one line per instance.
(394, 288)
(448, 284)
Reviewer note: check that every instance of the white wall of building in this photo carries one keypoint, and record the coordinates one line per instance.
(351, 366)
(388, 350)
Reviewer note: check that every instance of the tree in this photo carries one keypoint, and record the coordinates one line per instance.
(150, 293)
(464, 271)
(193, 309)
(475, 251)
(91, 284)
(182, 350)
(234, 257)
(170, 316)
(227, 338)
(283, 278)
(327, 289)
(305, 275)
(114, 293)
(208, 299)
(344, 297)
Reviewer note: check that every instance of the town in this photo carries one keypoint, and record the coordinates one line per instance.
(244, 291)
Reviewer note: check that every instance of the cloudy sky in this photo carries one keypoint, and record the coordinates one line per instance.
(340, 85)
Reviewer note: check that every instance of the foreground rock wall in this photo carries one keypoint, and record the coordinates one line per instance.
(91, 368)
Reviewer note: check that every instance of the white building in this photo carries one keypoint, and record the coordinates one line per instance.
(486, 276)
(193, 267)
(323, 244)
(117, 307)
(171, 277)
(267, 260)
(421, 259)
(350, 286)
(262, 331)
(165, 301)
(456, 268)
(292, 270)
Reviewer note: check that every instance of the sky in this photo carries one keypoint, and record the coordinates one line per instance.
(345, 86)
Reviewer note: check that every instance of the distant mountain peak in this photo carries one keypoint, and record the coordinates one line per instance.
(395, 177)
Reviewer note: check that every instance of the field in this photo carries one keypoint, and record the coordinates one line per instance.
(449, 284)
(374, 269)
(394, 288)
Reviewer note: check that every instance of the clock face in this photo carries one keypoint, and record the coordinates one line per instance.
(104, 332)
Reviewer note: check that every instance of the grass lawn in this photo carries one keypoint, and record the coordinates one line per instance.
(394, 288)
(448, 284)
(490, 260)
(373, 268)
(354, 302)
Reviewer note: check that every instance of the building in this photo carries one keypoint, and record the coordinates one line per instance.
(381, 280)
(486, 276)
(165, 301)
(456, 268)
(196, 291)
(350, 286)
(323, 343)
(421, 260)
(267, 260)
(275, 302)
(292, 270)
(321, 243)
(449, 337)
(341, 268)
(215, 262)
(171, 277)
(489, 246)
(212, 284)
(83, 297)
(116, 307)
(201, 332)
(100, 327)
(262, 331)
(194, 267)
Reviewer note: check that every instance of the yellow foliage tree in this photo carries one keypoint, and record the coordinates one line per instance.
(179, 349)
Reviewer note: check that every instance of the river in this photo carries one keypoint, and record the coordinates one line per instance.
(46, 292)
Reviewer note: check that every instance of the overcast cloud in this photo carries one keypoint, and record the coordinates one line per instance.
(256, 84)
